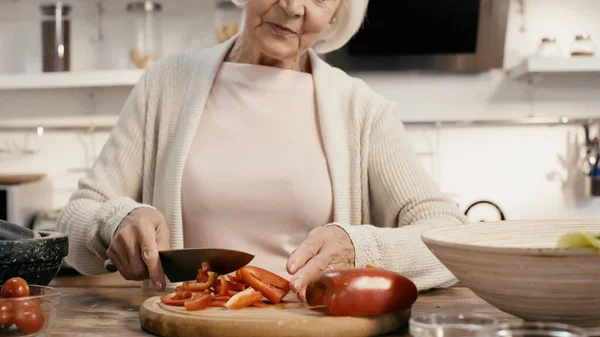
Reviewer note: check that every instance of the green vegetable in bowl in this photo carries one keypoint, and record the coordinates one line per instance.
(579, 240)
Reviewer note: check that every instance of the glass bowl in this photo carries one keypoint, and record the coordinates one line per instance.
(536, 329)
(30, 316)
(453, 325)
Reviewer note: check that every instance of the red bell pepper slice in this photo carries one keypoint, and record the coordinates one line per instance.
(199, 302)
(203, 273)
(200, 286)
(224, 287)
(271, 285)
(236, 286)
(260, 304)
(173, 299)
(243, 299)
(218, 303)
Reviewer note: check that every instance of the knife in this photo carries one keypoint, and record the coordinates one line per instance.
(183, 264)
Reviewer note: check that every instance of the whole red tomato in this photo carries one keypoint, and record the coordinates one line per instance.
(362, 292)
(26, 305)
(30, 322)
(15, 287)
(7, 316)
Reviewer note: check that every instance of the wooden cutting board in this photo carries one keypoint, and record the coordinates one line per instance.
(291, 319)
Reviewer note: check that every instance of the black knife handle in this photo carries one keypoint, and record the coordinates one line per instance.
(110, 267)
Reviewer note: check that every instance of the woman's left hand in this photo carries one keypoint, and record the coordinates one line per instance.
(325, 247)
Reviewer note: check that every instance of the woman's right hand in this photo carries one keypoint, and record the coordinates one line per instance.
(135, 245)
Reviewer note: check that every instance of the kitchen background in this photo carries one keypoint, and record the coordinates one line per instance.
(529, 171)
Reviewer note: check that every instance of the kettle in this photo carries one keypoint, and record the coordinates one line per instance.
(500, 212)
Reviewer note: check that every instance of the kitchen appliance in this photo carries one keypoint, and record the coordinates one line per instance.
(441, 35)
(21, 201)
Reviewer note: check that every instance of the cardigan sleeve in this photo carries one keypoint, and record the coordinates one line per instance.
(405, 201)
(110, 190)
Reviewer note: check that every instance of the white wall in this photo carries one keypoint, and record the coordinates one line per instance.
(512, 166)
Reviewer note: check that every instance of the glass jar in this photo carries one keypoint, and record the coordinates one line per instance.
(228, 20)
(583, 46)
(56, 37)
(548, 47)
(453, 325)
(537, 329)
(147, 28)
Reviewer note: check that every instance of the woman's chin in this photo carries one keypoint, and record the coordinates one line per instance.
(278, 49)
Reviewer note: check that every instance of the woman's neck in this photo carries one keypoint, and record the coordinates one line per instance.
(243, 52)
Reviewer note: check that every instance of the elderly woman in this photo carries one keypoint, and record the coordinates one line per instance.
(259, 145)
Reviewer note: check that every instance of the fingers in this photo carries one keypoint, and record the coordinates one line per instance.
(149, 250)
(307, 249)
(126, 249)
(309, 272)
(114, 254)
(134, 248)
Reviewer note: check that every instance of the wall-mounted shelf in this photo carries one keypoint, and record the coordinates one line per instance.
(106, 123)
(82, 79)
(540, 66)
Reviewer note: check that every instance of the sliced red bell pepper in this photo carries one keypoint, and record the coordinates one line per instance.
(199, 302)
(172, 299)
(224, 289)
(233, 278)
(271, 285)
(237, 286)
(203, 273)
(200, 286)
(182, 295)
(243, 299)
(260, 304)
(218, 303)
(222, 298)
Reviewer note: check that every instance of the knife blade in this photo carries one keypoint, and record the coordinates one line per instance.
(183, 264)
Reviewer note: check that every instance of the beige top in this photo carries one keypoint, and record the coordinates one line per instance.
(256, 176)
(382, 196)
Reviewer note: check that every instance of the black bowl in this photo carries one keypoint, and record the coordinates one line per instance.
(35, 260)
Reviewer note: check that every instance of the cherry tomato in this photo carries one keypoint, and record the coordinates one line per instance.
(7, 316)
(362, 292)
(27, 305)
(30, 321)
(15, 287)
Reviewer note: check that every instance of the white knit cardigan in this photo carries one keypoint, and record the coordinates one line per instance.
(383, 197)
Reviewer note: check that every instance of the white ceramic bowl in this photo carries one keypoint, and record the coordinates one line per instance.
(514, 266)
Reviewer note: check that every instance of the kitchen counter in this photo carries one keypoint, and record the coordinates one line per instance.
(108, 306)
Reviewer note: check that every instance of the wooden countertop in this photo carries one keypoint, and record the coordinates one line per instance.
(108, 306)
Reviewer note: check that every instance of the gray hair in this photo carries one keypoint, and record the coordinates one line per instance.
(347, 21)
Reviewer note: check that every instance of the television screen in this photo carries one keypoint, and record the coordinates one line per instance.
(412, 27)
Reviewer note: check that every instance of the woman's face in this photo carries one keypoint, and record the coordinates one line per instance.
(284, 29)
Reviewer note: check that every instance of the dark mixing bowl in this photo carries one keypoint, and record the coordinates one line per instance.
(35, 260)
